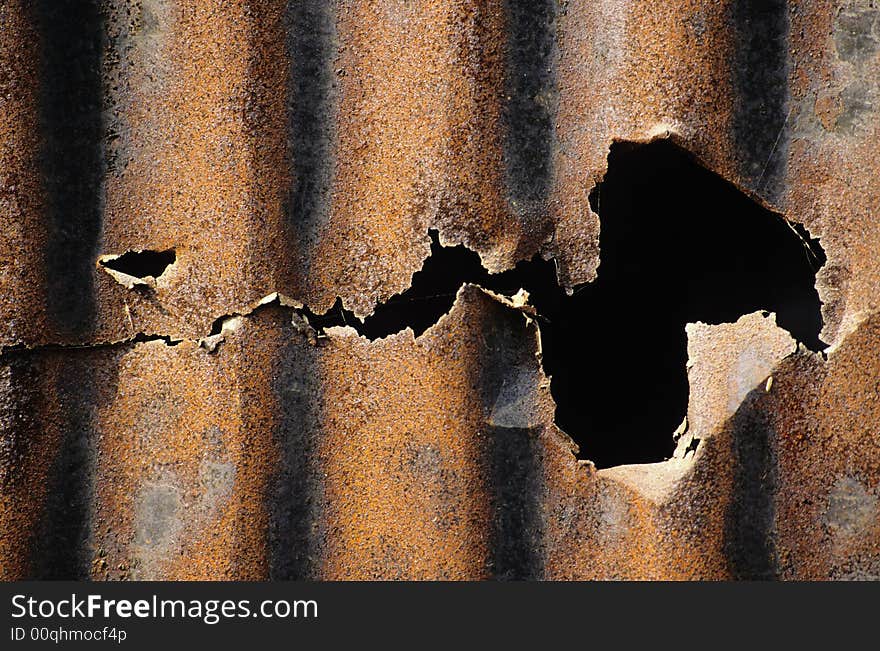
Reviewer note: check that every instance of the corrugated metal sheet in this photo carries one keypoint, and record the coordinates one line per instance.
(290, 153)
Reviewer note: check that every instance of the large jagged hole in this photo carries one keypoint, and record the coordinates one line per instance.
(141, 264)
(678, 245)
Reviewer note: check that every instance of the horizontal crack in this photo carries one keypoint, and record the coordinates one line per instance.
(140, 337)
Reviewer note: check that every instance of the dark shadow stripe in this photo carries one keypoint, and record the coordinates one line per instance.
(71, 100)
(514, 455)
(311, 47)
(296, 536)
(530, 110)
(518, 485)
(761, 93)
(61, 546)
(750, 521)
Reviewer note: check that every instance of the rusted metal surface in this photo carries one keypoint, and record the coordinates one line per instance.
(306, 148)
(167, 461)
(290, 153)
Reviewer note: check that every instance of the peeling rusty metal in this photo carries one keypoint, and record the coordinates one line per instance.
(194, 425)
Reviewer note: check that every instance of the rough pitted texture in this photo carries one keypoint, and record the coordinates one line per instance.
(303, 150)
